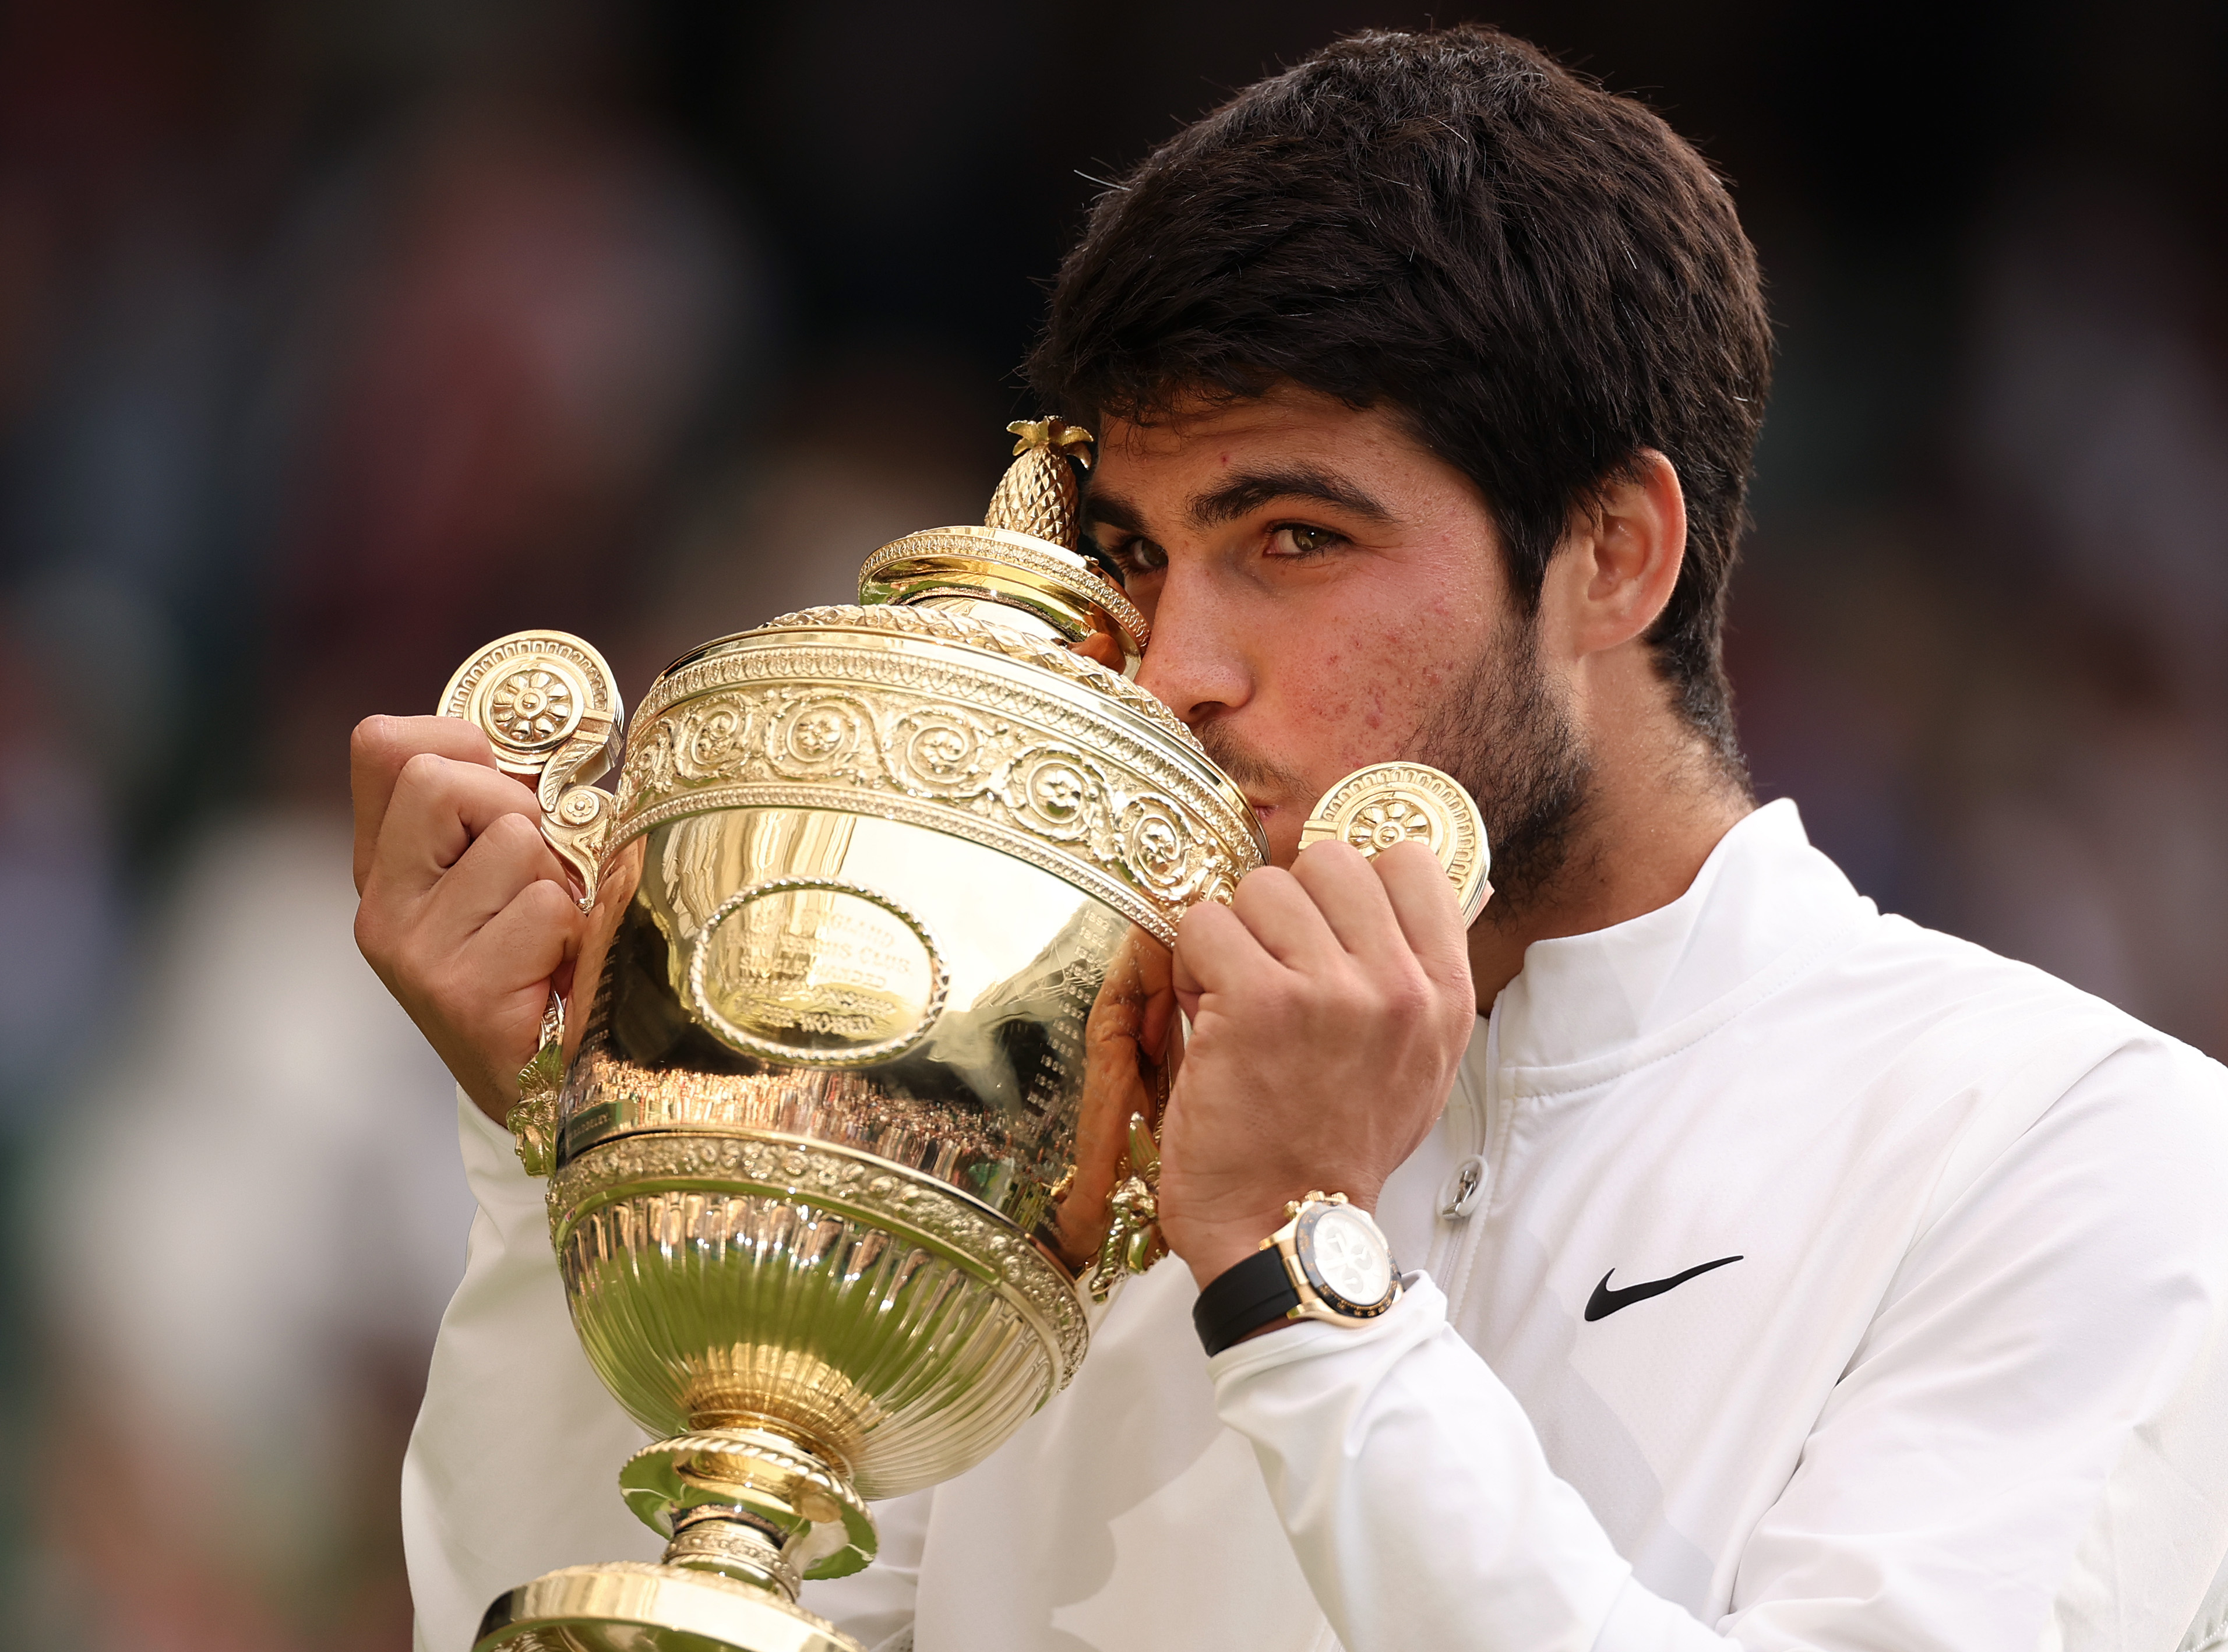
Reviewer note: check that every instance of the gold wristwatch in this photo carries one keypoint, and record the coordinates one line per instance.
(1329, 1263)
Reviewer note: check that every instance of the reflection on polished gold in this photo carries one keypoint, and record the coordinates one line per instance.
(874, 1024)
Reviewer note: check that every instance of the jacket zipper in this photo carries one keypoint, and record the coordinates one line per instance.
(1469, 1231)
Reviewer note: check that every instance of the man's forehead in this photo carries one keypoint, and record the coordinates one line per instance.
(1188, 425)
(1207, 463)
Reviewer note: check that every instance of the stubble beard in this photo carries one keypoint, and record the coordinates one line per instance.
(1505, 735)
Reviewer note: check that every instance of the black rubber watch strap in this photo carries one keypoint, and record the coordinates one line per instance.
(1241, 1300)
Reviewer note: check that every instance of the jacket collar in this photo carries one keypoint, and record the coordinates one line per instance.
(1587, 1008)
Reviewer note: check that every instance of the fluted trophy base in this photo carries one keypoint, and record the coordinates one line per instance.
(633, 1606)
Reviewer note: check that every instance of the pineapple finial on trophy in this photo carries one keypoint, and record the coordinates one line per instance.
(1021, 567)
(1039, 496)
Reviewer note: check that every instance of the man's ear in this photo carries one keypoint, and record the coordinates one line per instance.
(1616, 567)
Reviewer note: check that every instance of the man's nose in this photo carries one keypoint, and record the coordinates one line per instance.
(1196, 662)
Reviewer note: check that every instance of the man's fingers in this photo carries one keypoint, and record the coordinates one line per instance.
(1345, 889)
(1214, 951)
(504, 860)
(526, 942)
(1423, 903)
(377, 752)
(1281, 912)
(439, 806)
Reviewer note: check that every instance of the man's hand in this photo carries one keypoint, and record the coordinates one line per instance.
(466, 914)
(1329, 1006)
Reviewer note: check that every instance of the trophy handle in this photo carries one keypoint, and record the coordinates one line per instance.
(547, 704)
(1133, 1236)
(551, 712)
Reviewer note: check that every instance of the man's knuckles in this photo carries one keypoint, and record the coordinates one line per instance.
(1407, 996)
(1264, 890)
(388, 742)
(429, 775)
(374, 939)
(514, 840)
(374, 929)
(547, 907)
(431, 783)
(378, 749)
(1331, 864)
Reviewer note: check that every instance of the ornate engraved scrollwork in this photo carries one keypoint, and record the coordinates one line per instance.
(952, 737)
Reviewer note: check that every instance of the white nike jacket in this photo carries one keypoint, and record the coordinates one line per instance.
(1958, 1379)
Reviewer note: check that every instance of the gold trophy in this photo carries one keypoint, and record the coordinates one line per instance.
(859, 1120)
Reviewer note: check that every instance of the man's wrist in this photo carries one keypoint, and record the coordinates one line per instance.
(1212, 1250)
(1328, 1261)
(1216, 1259)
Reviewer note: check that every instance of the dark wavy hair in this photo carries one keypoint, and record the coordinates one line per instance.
(1541, 278)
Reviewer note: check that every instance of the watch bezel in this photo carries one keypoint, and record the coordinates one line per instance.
(1304, 1253)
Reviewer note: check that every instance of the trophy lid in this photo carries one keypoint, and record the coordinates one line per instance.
(1022, 567)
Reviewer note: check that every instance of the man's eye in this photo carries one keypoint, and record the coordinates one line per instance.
(1297, 539)
(1137, 556)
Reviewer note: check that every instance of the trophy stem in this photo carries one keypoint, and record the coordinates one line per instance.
(753, 1503)
(735, 1543)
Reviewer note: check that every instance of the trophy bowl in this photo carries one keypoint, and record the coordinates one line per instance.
(859, 1117)
(859, 1122)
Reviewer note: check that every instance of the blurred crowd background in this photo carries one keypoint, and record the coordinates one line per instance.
(337, 337)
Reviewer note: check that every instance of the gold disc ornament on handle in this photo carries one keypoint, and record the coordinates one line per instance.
(1385, 803)
(550, 709)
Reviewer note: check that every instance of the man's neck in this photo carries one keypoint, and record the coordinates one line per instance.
(1641, 836)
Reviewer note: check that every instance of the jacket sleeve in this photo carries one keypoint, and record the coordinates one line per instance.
(513, 1467)
(2029, 1448)
(1414, 1490)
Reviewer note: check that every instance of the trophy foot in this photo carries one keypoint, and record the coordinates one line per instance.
(633, 1606)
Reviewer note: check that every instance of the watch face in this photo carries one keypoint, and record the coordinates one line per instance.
(1346, 1259)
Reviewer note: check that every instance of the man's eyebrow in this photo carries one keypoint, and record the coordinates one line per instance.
(1113, 511)
(1250, 489)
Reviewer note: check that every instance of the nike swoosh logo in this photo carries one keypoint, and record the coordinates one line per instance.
(1605, 1302)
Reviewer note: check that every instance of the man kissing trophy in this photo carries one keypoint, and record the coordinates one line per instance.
(1785, 1275)
(852, 1115)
